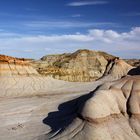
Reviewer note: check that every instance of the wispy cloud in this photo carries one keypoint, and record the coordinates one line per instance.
(84, 3)
(132, 14)
(31, 9)
(67, 24)
(76, 15)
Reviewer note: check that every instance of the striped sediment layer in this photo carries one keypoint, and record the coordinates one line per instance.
(10, 66)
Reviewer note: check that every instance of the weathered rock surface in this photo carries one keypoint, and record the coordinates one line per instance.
(10, 66)
(81, 66)
(112, 113)
(117, 69)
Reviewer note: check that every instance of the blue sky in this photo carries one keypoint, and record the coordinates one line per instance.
(33, 28)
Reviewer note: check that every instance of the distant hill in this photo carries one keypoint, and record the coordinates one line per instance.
(133, 62)
(82, 65)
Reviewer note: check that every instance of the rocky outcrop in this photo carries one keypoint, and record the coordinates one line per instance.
(10, 66)
(116, 69)
(112, 113)
(81, 66)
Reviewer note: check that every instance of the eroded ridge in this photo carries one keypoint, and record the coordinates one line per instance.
(10, 60)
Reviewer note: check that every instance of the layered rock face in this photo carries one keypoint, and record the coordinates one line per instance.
(81, 66)
(112, 113)
(10, 66)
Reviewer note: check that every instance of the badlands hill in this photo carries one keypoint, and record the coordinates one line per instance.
(80, 66)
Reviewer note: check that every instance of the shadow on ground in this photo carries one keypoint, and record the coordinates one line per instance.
(66, 113)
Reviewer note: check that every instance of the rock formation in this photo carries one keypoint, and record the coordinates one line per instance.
(81, 66)
(116, 69)
(19, 78)
(112, 113)
(10, 66)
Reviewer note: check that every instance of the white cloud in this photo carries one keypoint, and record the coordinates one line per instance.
(106, 40)
(104, 35)
(83, 3)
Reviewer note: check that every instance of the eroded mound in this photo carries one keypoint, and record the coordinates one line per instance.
(116, 69)
(113, 113)
(80, 66)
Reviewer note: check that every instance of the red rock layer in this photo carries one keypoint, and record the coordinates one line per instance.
(13, 60)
